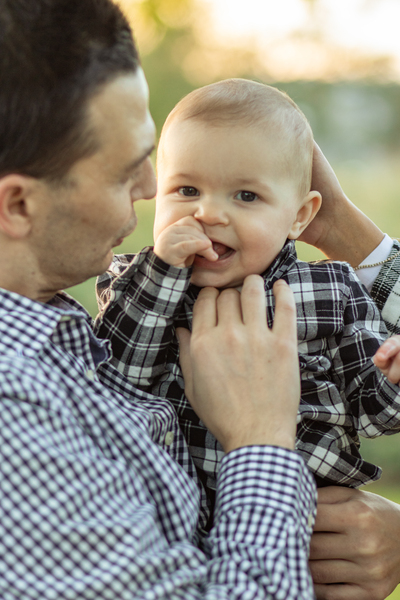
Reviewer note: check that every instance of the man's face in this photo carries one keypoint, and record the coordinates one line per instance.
(86, 218)
(231, 180)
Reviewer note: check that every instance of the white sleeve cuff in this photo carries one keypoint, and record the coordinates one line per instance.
(381, 252)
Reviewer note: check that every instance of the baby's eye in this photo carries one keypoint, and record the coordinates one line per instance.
(246, 196)
(188, 190)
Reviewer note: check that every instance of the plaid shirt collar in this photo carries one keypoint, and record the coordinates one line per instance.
(279, 266)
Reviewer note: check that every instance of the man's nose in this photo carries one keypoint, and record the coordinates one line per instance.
(149, 185)
(212, 211)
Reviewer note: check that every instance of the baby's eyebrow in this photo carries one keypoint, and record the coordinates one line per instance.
(182, 176)
(253, 185)
(249, 182)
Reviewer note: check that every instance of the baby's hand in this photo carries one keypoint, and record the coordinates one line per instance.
(387, 358)
(178, 244)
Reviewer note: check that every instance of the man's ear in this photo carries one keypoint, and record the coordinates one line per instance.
(15, 219)
(309, 208)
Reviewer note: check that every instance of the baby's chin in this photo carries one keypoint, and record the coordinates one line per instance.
(202, 279)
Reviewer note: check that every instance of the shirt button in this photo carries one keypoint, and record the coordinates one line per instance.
(169, 438)
(90, 374)
(310, 520)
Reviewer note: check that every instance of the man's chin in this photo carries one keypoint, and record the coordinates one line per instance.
(119, 241)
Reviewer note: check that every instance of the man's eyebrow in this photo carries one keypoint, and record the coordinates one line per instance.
(133, 165)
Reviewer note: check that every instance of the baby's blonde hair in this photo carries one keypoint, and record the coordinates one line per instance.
(244, 102)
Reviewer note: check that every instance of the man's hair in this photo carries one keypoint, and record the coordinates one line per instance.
(55, 55)
(243, 102)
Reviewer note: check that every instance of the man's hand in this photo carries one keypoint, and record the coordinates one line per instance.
(340, 230)
(387, 358)
(178, 244)
(355, 549)
(241, 377)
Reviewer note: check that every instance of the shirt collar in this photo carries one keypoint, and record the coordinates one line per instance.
(26, 325)
(279, 266)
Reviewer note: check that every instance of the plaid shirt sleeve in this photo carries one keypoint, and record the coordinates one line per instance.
(372, 399)
(343, 394)
(386, 291)
(139, 299)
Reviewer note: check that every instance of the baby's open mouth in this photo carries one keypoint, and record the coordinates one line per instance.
(222, 250)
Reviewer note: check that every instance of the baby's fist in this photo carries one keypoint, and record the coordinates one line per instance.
(387, 358)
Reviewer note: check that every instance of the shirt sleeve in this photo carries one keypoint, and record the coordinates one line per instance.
(139, 301)
(265, 512)
(386, 290)
(368, 275)
(80, 522)
(372, 400)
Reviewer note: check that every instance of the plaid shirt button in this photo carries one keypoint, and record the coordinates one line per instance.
(90, 374)
(169, 438)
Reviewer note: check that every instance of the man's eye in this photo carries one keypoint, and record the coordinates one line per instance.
(187, 190)
(246, 196)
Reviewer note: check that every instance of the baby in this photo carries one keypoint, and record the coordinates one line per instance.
(234, 175)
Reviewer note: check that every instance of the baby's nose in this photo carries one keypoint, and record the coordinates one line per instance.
(211, 212)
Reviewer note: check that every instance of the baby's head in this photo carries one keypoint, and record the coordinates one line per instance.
(237, 156)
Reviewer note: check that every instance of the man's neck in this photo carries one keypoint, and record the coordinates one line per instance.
(19, 274)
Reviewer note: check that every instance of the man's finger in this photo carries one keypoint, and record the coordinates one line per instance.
(328, 519)
(335, 494)
(285, 312)
(205, 310)
(229, 311)
(332, 571)
(253, 301)
(339, 592)
(326, 546)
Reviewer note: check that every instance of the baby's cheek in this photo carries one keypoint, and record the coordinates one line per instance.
(163, 218)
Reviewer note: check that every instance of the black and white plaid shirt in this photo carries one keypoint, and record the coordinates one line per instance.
(339, 330)
(386, 290)
(98, 493)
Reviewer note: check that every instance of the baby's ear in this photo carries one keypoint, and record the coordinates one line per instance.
(307, 211)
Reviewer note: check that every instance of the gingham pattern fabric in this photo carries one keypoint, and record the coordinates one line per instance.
(142, 300)
(92, 504)
(386, 291)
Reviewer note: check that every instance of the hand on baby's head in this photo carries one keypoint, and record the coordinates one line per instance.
(387, 359)
(178, 244)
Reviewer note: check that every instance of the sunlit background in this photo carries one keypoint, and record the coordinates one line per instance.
(338, 59)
